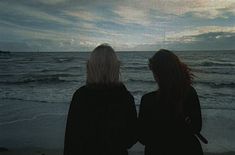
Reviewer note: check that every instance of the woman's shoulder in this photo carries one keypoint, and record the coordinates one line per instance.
(192, 91)
(102, 89)
(150, 96)
(148, 101)
(79, 91)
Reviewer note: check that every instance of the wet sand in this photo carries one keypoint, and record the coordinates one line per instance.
(60, 152)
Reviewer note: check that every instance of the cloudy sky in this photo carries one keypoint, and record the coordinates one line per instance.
(80, 25)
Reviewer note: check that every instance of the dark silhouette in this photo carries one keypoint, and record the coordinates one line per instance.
(102, 118)
(170, 117)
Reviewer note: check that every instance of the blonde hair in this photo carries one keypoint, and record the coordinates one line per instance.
(103, 66)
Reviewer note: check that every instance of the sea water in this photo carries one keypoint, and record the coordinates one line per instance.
(36, 89)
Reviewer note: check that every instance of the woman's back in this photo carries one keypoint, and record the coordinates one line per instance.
(164, 133)
(101, 120)
(102, 116)
(170, 117)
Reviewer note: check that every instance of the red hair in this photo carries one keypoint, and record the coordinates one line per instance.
(173, 77)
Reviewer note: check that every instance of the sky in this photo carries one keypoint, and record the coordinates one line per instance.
(127, 25)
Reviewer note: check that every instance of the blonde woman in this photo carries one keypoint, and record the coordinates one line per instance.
(102, 116)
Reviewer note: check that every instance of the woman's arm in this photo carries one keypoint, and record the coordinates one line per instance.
(131, 122)
(70, 131)
(195, 114)
(142, 123)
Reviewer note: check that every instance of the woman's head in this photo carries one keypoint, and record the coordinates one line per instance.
(103, 66)
(168, 69)
(172, 75)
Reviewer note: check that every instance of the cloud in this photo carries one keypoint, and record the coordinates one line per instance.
(29, 32)
(188, 35)
(208, 41)
(52, 2)
(132, 15)
(202, 8)
(84, 15)
(213, 13)
(203, 38)
(214, 36)
(14, 46)
(83, 24)
(209, 14)
(30, 14)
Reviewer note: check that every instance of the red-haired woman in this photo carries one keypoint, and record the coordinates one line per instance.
(170, 117)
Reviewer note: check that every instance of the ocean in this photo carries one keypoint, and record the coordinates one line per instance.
(36, 89)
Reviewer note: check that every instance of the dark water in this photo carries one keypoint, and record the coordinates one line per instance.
(36, 88)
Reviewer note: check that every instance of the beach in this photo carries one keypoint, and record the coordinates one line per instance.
(36, 90)
(59, 152)
(134, 151)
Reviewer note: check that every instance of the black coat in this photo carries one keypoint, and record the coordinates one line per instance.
(101, 121)
(164, 134)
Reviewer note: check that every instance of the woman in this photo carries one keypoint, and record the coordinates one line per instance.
(102, 117)
(170, 117)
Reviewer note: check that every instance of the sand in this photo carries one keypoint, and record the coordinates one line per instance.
(137, 149)
(60, 152)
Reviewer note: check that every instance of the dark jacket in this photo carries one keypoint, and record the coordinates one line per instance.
(101, 120)
(164, 134)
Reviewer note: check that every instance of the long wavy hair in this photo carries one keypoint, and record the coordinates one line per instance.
(103, 66)
(173, 78)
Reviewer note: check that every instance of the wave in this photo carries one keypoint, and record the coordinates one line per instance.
(213, 63)
(21, 99)
(61, 70)
(217, 108)
(33, 118)
(43, 79)
(141, 81)
(207, 107)
(136, 67)
(217, 85)
(62, 60)
(221, 71)
(211, 84)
